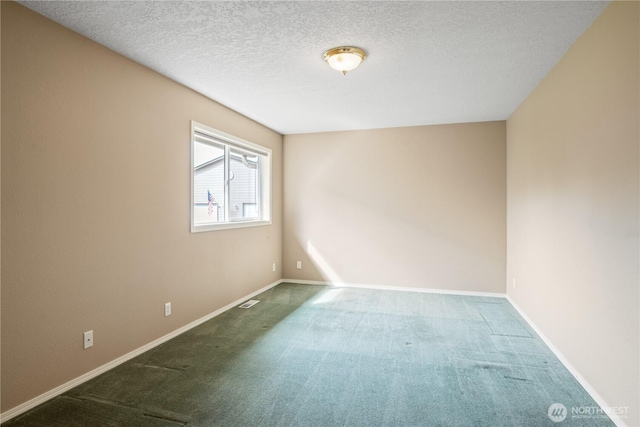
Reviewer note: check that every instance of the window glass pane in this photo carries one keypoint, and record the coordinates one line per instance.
(208, 182)
(243, 185)
(250, 210)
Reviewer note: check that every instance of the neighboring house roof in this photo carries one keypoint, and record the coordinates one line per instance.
(209, 163)
(217, 159)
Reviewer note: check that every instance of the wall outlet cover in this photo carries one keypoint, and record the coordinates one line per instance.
(88, 339)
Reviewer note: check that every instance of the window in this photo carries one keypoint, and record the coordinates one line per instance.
(230, 181)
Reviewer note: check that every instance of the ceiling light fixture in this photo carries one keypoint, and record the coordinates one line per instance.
(344, 58)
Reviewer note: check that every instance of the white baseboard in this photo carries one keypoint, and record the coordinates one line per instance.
(583, 382)
(396, 288)
(20, 409)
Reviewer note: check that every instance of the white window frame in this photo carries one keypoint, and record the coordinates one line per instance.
(264, 191)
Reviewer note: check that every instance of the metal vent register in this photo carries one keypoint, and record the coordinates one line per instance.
(249, 303)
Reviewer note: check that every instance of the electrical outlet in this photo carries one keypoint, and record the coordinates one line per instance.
(167, 309)
(88, 339)
(514, 283)
(274, 266)
(299, 265)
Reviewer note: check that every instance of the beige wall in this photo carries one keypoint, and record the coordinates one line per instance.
(416, 207)
(573, 206)
(95, 207)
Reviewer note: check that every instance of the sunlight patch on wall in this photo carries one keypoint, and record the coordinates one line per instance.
(321, 263)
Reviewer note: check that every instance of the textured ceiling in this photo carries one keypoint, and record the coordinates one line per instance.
(429, 62)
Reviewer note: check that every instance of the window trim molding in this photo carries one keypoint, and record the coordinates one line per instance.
(265, 193)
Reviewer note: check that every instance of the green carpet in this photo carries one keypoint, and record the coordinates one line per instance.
(322, 356)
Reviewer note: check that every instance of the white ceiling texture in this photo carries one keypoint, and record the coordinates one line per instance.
(429, 62)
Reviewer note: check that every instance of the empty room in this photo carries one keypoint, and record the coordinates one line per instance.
(366, 213)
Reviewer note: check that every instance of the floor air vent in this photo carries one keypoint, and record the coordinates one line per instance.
(249, 303)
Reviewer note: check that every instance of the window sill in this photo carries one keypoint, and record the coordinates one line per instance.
(228, 226)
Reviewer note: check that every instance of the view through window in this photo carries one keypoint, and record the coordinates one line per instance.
(231, 181)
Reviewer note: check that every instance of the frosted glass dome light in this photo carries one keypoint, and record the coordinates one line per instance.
(344, 58)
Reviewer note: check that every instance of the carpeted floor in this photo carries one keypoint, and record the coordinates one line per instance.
(322, 356)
